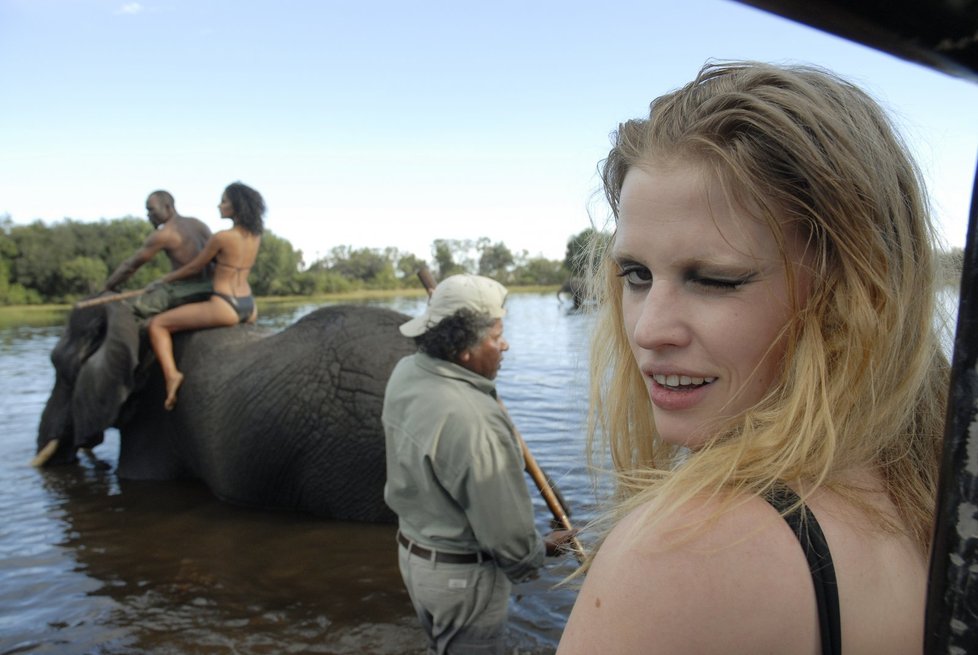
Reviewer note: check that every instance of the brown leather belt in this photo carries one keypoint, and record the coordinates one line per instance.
(441, 557)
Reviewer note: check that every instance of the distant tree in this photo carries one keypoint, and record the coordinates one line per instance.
(276, 270)
(83, 276)
(444, 252)
(38, 255)
(87, 239)
(318, 279)
(408, 266)
(8, 249)
(538, 271)
(357, 263)
(495, 260)
(369, 267)
(11, 291)
(71, 258)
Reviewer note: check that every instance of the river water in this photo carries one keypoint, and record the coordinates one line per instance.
(93, 564)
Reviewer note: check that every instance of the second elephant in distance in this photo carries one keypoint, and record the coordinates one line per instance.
(574, 287)
(289, 420)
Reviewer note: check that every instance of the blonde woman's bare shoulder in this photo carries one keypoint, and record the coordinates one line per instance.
(700, 581)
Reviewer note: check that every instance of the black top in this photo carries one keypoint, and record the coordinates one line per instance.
(809, 533)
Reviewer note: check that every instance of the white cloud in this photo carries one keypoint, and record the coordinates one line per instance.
(130, 8)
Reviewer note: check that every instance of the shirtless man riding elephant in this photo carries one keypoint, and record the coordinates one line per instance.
(181, 238)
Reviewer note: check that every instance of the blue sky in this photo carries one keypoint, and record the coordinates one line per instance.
(376, 123)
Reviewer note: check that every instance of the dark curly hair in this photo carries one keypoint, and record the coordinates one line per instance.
(453, 334)
(249, 207)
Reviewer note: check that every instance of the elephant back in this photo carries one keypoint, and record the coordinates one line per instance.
(290, 420)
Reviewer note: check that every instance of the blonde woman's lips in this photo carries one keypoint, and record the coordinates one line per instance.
(674, 380)
(674, 391)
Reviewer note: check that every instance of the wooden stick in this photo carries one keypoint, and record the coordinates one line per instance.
(540, 478)
(542, 481)
(427, 279)
(102, 300)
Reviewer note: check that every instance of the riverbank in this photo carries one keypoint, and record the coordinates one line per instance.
(53, 314)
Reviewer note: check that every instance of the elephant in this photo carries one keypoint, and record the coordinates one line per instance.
(575, 288)
(288, 420)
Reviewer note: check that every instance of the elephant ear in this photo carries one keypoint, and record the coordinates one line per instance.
(106, 378)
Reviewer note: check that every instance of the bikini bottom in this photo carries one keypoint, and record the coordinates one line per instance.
(243, 305)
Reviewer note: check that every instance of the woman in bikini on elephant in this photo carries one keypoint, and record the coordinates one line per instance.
(234, 252)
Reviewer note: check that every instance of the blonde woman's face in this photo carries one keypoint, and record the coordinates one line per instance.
(705, 299)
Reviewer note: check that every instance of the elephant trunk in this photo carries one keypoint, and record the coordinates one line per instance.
(56, 428)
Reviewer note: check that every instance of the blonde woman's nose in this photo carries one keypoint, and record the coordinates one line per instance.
(661, 319)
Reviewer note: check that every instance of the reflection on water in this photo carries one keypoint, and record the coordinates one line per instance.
(92, 564)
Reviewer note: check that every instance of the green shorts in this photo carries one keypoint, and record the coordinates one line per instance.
(170, 295)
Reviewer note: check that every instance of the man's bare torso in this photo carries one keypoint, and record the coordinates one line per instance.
(191, 234)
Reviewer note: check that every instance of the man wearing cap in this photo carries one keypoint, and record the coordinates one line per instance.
(455, 472)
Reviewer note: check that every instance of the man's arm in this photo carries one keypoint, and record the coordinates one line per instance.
(154, 243)
(494, 495)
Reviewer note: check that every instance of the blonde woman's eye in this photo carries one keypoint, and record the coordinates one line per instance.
(722, 283)
(635, 275)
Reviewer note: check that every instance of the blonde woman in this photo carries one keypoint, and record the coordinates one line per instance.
(766, 375)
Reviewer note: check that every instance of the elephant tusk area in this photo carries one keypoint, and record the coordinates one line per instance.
(42, 457)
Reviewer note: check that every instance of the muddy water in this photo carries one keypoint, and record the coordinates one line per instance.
(93, 564)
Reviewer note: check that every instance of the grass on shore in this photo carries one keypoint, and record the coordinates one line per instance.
(373, 294)
(54, 314)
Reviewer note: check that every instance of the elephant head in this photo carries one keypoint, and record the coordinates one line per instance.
(95, 362)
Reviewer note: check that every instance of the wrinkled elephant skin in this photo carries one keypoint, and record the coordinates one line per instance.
(288, 420)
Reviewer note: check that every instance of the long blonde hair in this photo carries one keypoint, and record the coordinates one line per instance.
(864, 382)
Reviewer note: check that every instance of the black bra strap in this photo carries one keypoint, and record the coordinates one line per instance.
(819, 558)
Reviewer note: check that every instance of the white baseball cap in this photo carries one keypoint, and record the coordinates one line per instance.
(480, 294)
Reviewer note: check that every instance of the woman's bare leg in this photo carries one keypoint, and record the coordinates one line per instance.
(210, 313)
(172, 386)
(162, 342)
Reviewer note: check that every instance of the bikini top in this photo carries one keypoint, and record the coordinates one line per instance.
(802, 522)
(233, 268)
(238, 270)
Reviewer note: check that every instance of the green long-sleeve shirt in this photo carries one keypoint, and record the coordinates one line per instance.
(455, 467)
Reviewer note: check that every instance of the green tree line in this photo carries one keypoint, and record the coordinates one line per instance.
(69, 259)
